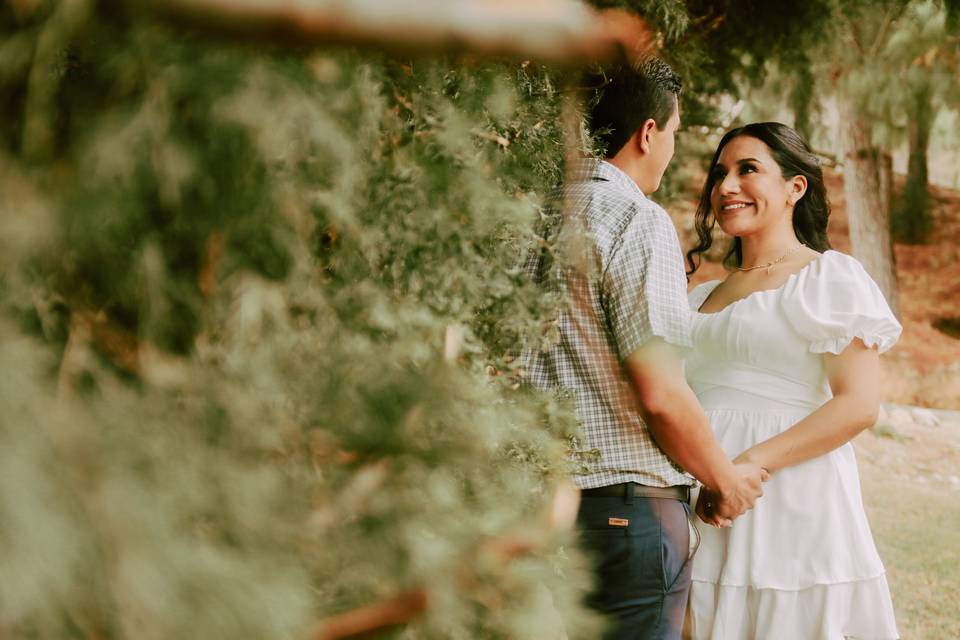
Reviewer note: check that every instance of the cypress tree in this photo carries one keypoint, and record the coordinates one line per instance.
(259, 310)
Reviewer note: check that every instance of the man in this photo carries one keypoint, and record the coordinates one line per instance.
(642, 424)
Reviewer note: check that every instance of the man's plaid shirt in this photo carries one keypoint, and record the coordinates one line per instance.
(630, 288)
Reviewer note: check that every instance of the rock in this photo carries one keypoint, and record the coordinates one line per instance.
(883, 417)
(925, 418)
(884, 427)
(900, 419)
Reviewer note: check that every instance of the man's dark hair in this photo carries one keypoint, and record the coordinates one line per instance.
(621, 98)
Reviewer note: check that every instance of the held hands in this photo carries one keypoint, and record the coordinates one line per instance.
(706, 508)
(721, 508)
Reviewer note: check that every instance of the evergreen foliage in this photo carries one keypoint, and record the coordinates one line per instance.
(729, 44)
(258, 314)
(925, 60)
(898, 69)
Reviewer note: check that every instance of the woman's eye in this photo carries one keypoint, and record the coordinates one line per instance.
(717, 176)
(748, 168)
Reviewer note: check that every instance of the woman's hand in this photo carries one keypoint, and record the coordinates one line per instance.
(706, 509)
(710, 507)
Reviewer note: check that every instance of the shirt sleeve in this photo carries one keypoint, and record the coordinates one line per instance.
(644, 283)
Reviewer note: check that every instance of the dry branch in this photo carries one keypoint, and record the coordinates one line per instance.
(213, 256)
(94, 330)
(559, 515)
(557, 31)
(386, 613)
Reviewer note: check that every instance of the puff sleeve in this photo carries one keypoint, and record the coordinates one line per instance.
(833, 301)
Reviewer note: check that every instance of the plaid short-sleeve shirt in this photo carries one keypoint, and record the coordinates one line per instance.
(630, 287)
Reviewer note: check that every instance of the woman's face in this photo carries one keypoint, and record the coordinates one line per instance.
(749, 191)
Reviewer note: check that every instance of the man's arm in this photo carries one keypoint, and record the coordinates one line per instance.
(680, 428)
(645, 292)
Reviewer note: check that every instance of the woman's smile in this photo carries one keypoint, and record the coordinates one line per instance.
(749, 191)
(735, 205)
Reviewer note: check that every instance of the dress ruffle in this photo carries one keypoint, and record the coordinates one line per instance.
(821, 612)
(782, 542)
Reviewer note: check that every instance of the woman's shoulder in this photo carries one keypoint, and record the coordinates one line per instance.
(831, 278)
(836, 265)
(831, 273)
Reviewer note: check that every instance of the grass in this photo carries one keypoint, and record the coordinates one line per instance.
(917, 528)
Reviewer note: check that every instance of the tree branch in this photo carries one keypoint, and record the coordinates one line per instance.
(890, 15)
(386, 613)
(559, 515)
(548, 30)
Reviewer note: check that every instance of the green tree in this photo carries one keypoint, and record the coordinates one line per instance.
(919, 65)
(848, 51)
(864, 30)
(737, 43)
(889, 67)
(839, 59)
(258, 306)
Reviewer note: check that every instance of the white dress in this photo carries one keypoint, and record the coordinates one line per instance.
(802, 563)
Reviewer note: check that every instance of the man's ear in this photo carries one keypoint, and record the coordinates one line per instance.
(643, 135)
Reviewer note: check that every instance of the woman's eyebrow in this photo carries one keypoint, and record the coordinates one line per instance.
(744, 160)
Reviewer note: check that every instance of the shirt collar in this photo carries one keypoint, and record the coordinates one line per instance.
(594, 169)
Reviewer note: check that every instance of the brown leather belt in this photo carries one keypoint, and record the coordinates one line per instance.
(677, 492)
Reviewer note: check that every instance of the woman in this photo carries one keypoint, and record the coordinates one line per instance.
(785, 362)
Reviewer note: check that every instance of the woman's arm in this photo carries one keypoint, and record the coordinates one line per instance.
(854, 377)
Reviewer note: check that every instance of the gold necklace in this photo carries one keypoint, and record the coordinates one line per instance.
(769, 265)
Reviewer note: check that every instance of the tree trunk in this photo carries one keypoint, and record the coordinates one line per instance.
(868, 210)
(919, 127)
(912, 221)
(885, 177)
(801, 101)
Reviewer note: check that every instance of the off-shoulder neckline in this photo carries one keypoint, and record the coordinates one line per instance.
(730, 305)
